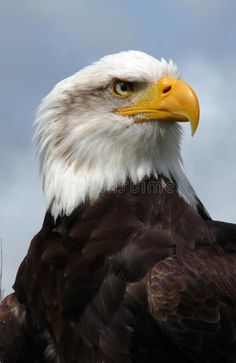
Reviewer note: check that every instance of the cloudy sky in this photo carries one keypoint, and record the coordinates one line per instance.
(42, 42)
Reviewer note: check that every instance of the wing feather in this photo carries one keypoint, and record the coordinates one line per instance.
(18, 344)
(193, 299)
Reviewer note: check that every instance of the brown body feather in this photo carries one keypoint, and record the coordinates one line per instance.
(138, 276)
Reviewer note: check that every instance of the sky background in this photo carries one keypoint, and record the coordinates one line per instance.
(42, 42)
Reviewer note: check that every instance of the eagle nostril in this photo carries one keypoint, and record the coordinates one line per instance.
(166, 89)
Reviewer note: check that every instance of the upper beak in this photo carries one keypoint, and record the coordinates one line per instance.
(170, 99)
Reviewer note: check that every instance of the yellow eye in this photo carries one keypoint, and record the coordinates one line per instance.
(122, 89)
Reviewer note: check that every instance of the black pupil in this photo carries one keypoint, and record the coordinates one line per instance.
(123, 87)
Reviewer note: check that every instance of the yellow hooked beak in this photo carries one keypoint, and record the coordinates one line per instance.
(170, 99)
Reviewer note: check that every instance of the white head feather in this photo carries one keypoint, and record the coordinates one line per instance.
(85, 148)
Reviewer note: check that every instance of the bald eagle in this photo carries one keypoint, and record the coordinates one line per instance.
(128, 266)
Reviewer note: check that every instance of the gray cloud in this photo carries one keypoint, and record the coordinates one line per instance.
(210, 157)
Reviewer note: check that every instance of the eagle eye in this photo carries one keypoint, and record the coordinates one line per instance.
(122, 88)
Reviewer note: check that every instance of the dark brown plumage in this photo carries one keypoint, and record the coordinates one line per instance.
(135, 277)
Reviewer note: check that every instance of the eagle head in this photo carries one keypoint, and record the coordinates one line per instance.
(113, 120)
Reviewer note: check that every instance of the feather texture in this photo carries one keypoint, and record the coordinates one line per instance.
(133, 277)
